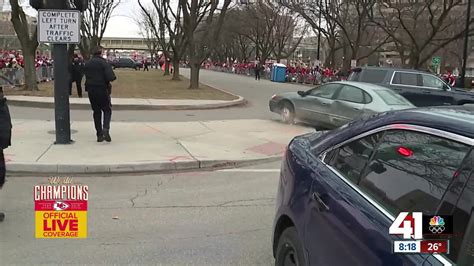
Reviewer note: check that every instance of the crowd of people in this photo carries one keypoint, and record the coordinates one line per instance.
(295, 72)
(12, 63)
(14, 59)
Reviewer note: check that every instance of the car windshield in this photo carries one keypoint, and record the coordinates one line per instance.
(392, 98)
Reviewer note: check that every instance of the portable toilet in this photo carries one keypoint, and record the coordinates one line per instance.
(278, 73)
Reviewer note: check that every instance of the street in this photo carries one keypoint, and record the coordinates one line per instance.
(199, 218)
(257, 93)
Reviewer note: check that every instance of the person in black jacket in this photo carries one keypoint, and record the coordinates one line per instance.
(5, 138)
(75, 72)
(99, 75)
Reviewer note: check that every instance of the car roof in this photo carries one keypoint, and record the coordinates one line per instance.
(453, 119)
(391, 69)
(363, 85)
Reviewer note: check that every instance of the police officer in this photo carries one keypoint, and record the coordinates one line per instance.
(5, 138)
(99, 75)
(75, 72)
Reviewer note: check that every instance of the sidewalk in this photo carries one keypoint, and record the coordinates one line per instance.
(128, 104)
(147, 147)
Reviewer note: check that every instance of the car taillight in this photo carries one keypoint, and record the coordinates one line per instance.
(405, 151)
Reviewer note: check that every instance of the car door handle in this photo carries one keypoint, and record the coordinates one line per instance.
(322, 204)
(427, 92)
(356, 108)
(323, 103)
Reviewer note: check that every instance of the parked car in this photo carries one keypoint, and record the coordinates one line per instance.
(337, 103)
(125, 63)
(419, 87)
(340, 190)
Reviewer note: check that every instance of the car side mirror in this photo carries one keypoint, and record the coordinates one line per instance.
(302, 93)
(446, 87)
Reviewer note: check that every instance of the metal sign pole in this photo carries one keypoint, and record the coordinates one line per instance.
(61, 94)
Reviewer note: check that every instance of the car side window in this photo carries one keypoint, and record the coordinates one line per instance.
(432, 82)
(410, 171)
(404, 78)
(351, 94)
(325, 91)
(351, 159)
(463, 210)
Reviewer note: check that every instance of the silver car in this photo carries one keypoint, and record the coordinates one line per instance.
(336, 103)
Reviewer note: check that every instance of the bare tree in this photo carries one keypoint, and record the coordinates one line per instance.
(318, 16)
(28, 41)
(94, 23)
(202, 23)
(419, 29)
(146, 21)
(168, 31)
(234, 43)
(286, 27)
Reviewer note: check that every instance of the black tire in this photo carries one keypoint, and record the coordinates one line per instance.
(289, 249)
(287, 113)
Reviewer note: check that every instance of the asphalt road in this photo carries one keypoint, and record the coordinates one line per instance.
(195, 218)
(257, 94)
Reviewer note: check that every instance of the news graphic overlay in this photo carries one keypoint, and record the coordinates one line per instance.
(416, 229)
(61, 209)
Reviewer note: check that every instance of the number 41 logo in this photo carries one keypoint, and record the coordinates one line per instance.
(410, 226)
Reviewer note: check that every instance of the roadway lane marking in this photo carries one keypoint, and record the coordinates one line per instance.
(250, 170)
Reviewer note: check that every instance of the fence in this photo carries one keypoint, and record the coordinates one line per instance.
(16, 76)
(308, 78)
(266, 74)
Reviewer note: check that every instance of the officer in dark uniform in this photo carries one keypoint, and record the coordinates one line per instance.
(99, 75)
(5, 138)
(75, 72)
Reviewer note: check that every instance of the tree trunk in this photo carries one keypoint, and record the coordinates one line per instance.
(167, 68)
(176, 70)
(329, 60)
(30, 70)
(194, 84)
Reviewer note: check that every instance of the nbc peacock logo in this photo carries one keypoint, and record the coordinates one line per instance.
(437, 225)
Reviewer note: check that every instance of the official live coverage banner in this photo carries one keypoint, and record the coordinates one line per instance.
(61, 209)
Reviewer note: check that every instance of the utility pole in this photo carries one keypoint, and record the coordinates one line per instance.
(466, 41)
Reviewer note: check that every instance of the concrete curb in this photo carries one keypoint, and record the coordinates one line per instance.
(132, 167)
(132, 107)
(86, 106)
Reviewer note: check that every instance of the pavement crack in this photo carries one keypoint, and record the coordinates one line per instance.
(49, 147)
(226, 233)
(204, 125)
(243, 200)
(202, 206)
(132, 200)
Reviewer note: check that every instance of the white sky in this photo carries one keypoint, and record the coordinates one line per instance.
(121, 24)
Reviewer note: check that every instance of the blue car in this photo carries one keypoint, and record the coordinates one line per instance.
(340, 190)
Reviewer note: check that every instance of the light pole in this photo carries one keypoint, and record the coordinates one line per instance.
(61, 75)
(466, 41)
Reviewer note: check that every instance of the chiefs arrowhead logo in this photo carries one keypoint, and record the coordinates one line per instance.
(60, 206)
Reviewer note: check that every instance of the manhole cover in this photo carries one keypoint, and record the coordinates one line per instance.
(53, 132)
